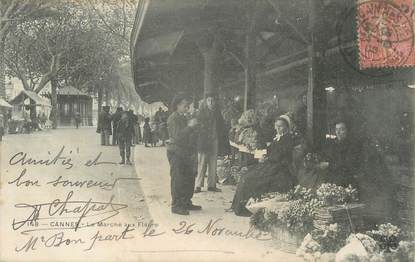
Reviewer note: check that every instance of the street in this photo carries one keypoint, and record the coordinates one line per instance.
(45, 175)
(302, 113)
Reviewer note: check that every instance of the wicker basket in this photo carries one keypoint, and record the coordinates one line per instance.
(349, 218)
(285, 240)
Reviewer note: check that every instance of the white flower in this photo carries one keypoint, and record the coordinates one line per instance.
(333, 227)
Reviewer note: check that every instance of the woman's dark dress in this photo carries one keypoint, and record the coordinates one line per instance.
(147, 136)
(344, 162)
(273, 175)
(311, 177)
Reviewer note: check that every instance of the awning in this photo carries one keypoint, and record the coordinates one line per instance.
(164, 44)
(24, 94)
(165, 56)
(3, 103)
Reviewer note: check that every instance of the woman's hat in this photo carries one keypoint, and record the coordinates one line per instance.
(287, 119)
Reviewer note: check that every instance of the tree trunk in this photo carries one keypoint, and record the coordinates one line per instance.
(107, 97)
(99, 100)
(54, 102)
(33, 113)
(118, 98)
(2, 69)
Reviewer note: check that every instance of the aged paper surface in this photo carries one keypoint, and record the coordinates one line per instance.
(207, 130)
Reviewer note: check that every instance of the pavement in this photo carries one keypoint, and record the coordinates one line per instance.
(132, 202)
(152, 167)
(79, 145)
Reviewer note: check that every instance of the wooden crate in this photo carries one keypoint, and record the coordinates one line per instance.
(349, 218)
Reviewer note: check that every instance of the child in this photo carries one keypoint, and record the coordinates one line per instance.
(147, 136)
(125, 132)
(154, 134)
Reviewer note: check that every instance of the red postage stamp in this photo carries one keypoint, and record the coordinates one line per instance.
(385, 33)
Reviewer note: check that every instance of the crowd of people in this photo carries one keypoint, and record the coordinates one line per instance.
(125, 129)
(198, 138)
(28, 125)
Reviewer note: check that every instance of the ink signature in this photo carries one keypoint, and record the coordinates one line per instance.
(85, 213)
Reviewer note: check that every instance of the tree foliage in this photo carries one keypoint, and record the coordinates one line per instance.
(81, 43)
(65, 46)
(36, 48)
(15, 11)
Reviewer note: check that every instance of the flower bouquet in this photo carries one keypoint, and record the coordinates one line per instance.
(288, 216)
(300, 192)
(249, 138)
(385, 244)
(387, 235)
(331, 194)
(248, 119)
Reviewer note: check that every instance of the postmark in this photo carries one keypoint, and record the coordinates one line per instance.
(385, 33)
(347, 41)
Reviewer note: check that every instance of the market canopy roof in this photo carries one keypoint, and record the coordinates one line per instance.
(163, 47)
(283, 36)
(70, 91)
(24, 94)
(164, 44)
(3, 103)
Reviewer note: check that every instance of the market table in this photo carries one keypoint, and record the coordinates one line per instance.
(258, 153)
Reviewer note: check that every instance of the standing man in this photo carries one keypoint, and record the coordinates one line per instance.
(104, 125)
(77, 119)
(115, 119)
(133, 119)
(137, 130)
(181, 153)
(43, 119)
(158, 117)
(212, 140)
(125, 132)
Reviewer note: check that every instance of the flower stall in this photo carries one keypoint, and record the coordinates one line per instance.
(327, 224)
(291, 216)
(383, 244)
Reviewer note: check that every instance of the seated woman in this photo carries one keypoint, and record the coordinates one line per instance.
(272, 175)
(343, 157)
